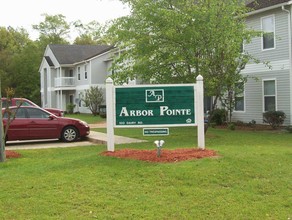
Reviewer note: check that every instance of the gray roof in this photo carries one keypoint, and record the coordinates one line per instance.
(259, 4)
(69, 54)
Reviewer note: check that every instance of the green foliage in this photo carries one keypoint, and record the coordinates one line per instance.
(93, 98)
(174, 41)
(219, 116)
(90, 34)
(231, 126)
(252, 123)
(289, 128)
(228, 98)
(54, 29)
(70, 108)
(12, 43)
(274, 118)
(170, 41)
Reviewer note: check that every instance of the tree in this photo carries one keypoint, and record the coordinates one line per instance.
(12, 42)
(10, 116)
(90, 34)
(53, 30)
(93, 98)
(171, 41)
(24, 72)
(2, 141)
(20, 58)
(231, 96)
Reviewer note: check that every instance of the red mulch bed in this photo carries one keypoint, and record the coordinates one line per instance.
(167, 156)
(12, 154)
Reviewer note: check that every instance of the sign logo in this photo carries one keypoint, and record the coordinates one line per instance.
(154, 95)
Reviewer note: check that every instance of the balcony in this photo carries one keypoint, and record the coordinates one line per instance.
(65, 82)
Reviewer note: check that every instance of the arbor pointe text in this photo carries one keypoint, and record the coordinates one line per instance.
(163, 111)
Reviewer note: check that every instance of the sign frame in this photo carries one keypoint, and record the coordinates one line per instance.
(156, 87)
(199, 112)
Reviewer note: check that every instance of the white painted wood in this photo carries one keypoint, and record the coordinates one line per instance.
(110, 115)
(200, 111)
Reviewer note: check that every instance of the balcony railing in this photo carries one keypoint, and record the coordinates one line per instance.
(64, 82)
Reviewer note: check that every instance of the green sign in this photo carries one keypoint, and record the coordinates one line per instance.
(155, 131)
(155, 105)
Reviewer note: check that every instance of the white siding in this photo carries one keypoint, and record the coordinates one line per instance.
(280, 70)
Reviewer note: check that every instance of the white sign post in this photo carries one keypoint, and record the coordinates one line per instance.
(110, 115)
(140, 117)
(200, 111)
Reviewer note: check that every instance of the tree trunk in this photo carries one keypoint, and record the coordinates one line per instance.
(2, 139)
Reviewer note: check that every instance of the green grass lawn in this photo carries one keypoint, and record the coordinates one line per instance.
(89, 118)
(250, 180)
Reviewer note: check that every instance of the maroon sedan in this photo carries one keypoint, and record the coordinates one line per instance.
(26, 102)
(36, 123)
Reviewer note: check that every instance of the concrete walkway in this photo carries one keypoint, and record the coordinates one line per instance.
(101, 138)
(93, 138)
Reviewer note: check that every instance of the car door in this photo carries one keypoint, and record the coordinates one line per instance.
(18, 129)
(41, 125)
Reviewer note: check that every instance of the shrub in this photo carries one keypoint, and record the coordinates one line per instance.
(219, 116)
(252, 123)
(93, 98)
(274, 118)
(70, 108)
(231, 126)
(239, 123)
(289, 128)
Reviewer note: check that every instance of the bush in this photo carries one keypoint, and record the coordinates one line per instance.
(274, 118)
(252, 123)
(239, 123)
(219, 116)
(70, 108)
(289, 128)
(93, 98)
(231, 126)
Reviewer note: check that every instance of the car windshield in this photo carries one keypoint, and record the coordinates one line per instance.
(24, 103)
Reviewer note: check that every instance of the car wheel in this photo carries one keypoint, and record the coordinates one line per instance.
(69, 134)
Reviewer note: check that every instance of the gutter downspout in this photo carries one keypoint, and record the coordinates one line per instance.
(290, 56)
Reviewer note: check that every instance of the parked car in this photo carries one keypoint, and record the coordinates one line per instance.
(26, 102)
(32, 122)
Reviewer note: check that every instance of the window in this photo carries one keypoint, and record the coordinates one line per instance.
(268, 27)
(269, 95)
(78, 72)
(37, 113)
(239, 96)
(85, 71)
(4, 103)
(18, 113)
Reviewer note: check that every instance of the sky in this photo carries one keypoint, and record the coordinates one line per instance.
(25, 13)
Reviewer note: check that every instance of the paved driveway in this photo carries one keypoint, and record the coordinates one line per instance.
(94, 138)
(42, 144)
